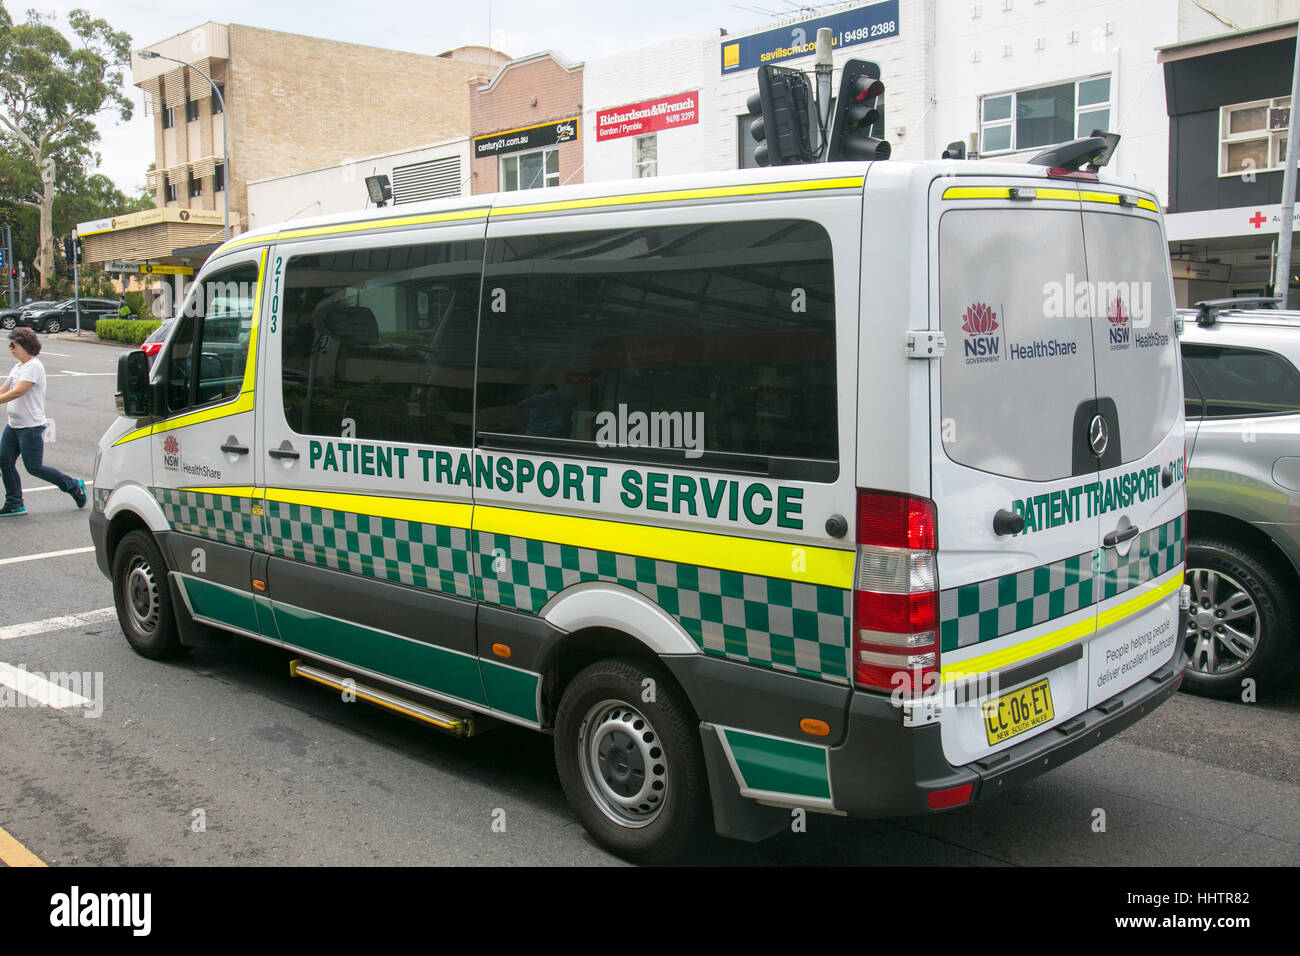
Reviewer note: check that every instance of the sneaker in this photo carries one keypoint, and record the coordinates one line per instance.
(79, 494)
(7, 512)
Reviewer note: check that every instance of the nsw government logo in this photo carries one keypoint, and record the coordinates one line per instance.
(1121, 331)
(172, 454)
(981, 344)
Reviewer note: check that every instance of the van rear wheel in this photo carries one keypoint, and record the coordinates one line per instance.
(1242, 620)
(629, 758)
(142, 598)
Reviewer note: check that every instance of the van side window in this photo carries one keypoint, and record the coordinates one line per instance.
(379, 343)
(724, 328)
(208, 356)
(1238, 382)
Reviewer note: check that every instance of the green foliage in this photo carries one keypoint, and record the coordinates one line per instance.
(133, 331)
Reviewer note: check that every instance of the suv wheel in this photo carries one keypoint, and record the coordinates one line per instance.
(1241, 623)
(8, 322)
(53, 325)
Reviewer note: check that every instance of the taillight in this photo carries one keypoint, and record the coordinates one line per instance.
(895, 594)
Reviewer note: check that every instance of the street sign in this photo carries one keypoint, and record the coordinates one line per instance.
(2, 257)
(150, 269)
(119, 266)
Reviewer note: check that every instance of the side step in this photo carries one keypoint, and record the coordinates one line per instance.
(458, 726)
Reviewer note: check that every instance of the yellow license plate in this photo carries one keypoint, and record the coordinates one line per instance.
(1018, 711)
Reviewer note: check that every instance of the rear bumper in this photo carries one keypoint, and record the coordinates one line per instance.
(885, 770)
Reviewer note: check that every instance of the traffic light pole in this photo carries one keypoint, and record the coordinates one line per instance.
(76, 288)
(9, 263)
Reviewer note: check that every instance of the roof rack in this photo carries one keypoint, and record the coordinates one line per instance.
(1208, 310)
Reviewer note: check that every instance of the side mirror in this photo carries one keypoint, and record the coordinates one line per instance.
(133, 384)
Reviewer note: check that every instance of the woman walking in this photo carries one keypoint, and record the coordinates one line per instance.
(24, 393)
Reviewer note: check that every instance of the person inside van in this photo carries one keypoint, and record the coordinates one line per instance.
(550, 413)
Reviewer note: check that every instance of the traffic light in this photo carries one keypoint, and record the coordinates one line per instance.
(73, 250)
(785, 116)
(858, 127)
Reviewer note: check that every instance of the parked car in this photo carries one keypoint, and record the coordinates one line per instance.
(1241, 377)
(9, 317)
(62, 316)
(154, 343)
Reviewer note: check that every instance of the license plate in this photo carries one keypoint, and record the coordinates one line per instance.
(1018, 711)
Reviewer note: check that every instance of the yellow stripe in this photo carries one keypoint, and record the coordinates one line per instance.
(458, 216)
(233, 244)
(250, 366)
(132, 436)
(1113, 199)
(747, 555)
(450, 513)
(13, 853)
(1054, 639)
(1154, 596)
(1263, 494)
(682, 195)
(520, 129)
(1004, 192)
(244, 403)
(233, 491)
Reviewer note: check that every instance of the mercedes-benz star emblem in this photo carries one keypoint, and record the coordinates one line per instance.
(1098, 436)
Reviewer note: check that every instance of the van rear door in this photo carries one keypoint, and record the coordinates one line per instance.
(1011, 403)
(1140, 497)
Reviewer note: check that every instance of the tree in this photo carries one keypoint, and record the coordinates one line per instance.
(50, 90)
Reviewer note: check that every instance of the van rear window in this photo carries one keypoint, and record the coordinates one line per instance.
(1019, 358)
(627, 338)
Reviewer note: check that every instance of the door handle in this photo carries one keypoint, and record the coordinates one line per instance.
(1008, 522)
(1119, 537)
(283, 453)
(232, 449)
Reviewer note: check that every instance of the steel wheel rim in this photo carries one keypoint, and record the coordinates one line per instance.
(52, 327)
(622, 763)
(142, 595)
(1223, 627)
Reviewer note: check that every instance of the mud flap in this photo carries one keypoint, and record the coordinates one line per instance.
(734, 816)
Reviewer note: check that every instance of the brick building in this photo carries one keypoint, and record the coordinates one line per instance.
(292, 103)
(525, 125)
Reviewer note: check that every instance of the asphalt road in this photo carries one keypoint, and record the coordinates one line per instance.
(221, 758)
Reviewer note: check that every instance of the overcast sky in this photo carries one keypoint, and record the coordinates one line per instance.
(579, 29)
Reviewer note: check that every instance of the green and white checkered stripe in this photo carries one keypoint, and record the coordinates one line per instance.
(101, 498)
(216, 517)
(985, 610)
(1154, 553)
(434, 557)
(784, 625)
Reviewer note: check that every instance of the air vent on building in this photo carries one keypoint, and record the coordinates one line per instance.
(435, 179)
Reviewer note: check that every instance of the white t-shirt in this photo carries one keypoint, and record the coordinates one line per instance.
(27, 410)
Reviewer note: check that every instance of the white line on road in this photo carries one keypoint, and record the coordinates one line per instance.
(51, 624)
(27, 491)
(48, 554)
(37, 688)
(59, 354)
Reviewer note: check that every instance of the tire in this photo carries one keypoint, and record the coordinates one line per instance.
(53, 325)
(142, 598)
(1242, 622)
(8, 322)
(632, 770)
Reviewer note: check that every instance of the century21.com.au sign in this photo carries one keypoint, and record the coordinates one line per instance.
(529, 137)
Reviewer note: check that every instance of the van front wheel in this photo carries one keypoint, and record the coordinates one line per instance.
(144, 604)
(629, 759)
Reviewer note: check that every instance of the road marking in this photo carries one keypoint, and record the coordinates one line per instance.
(63, 623)
(48, 554)
(50, 488)
(37, 688)
(83, 374)
(59, 354)
(13, 853)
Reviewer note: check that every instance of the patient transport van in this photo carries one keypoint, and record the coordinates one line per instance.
(850, 488)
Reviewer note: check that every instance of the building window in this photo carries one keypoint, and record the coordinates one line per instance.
(218, 178)
(169, 190)
(196, 186)
(217, 105)
(530, 170)
(1044, 116)
(1252, 136)
(647, 156)
(168, 117)
(191, 111)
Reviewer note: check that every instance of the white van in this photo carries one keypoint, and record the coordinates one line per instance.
(846, 488)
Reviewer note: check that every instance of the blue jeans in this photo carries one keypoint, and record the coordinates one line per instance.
(30, 443)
